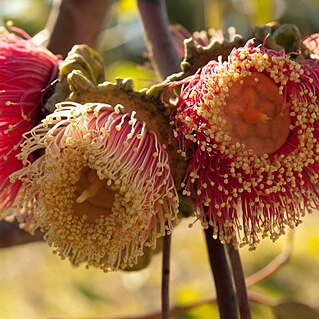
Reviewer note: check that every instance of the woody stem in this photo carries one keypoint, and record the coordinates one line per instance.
(12, 235)
(159, 39)
(165, 276)
(165, 58)
(239, 280)
(225, 292)
(72, 22)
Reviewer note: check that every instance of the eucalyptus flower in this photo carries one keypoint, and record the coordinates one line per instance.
(249, 128)
(103, 189)
(26, 71)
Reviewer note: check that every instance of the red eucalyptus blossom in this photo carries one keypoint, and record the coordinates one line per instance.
(249, 126)
(26, 70)
(103, 189)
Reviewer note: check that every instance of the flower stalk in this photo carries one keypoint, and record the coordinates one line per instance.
(166, 269)
(73, 22)
(239, 281)
(166, 59)
(225, 293)
(159, 38)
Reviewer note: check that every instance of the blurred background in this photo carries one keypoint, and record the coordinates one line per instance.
(36, 284)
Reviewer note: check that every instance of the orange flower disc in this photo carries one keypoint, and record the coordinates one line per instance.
(255, 114)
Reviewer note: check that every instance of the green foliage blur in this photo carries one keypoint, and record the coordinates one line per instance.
(36, 284)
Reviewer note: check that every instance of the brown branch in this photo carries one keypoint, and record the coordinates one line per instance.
(274, 265)
(226, 297)
(12, 235)
(239, 280)
(261, 299)
(165, 276)
(75, 22)
(159, 38)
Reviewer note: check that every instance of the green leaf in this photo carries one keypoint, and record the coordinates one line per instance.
(90, 293)
(294, 310)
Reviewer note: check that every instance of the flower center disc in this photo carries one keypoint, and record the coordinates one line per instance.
(256, 115)
(95, 197)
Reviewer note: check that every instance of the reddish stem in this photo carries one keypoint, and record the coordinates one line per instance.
(12, 235)
(165, 276)
(239, 279)
(75, 22)
(166, 60)
(159, 38)
(226, 297)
